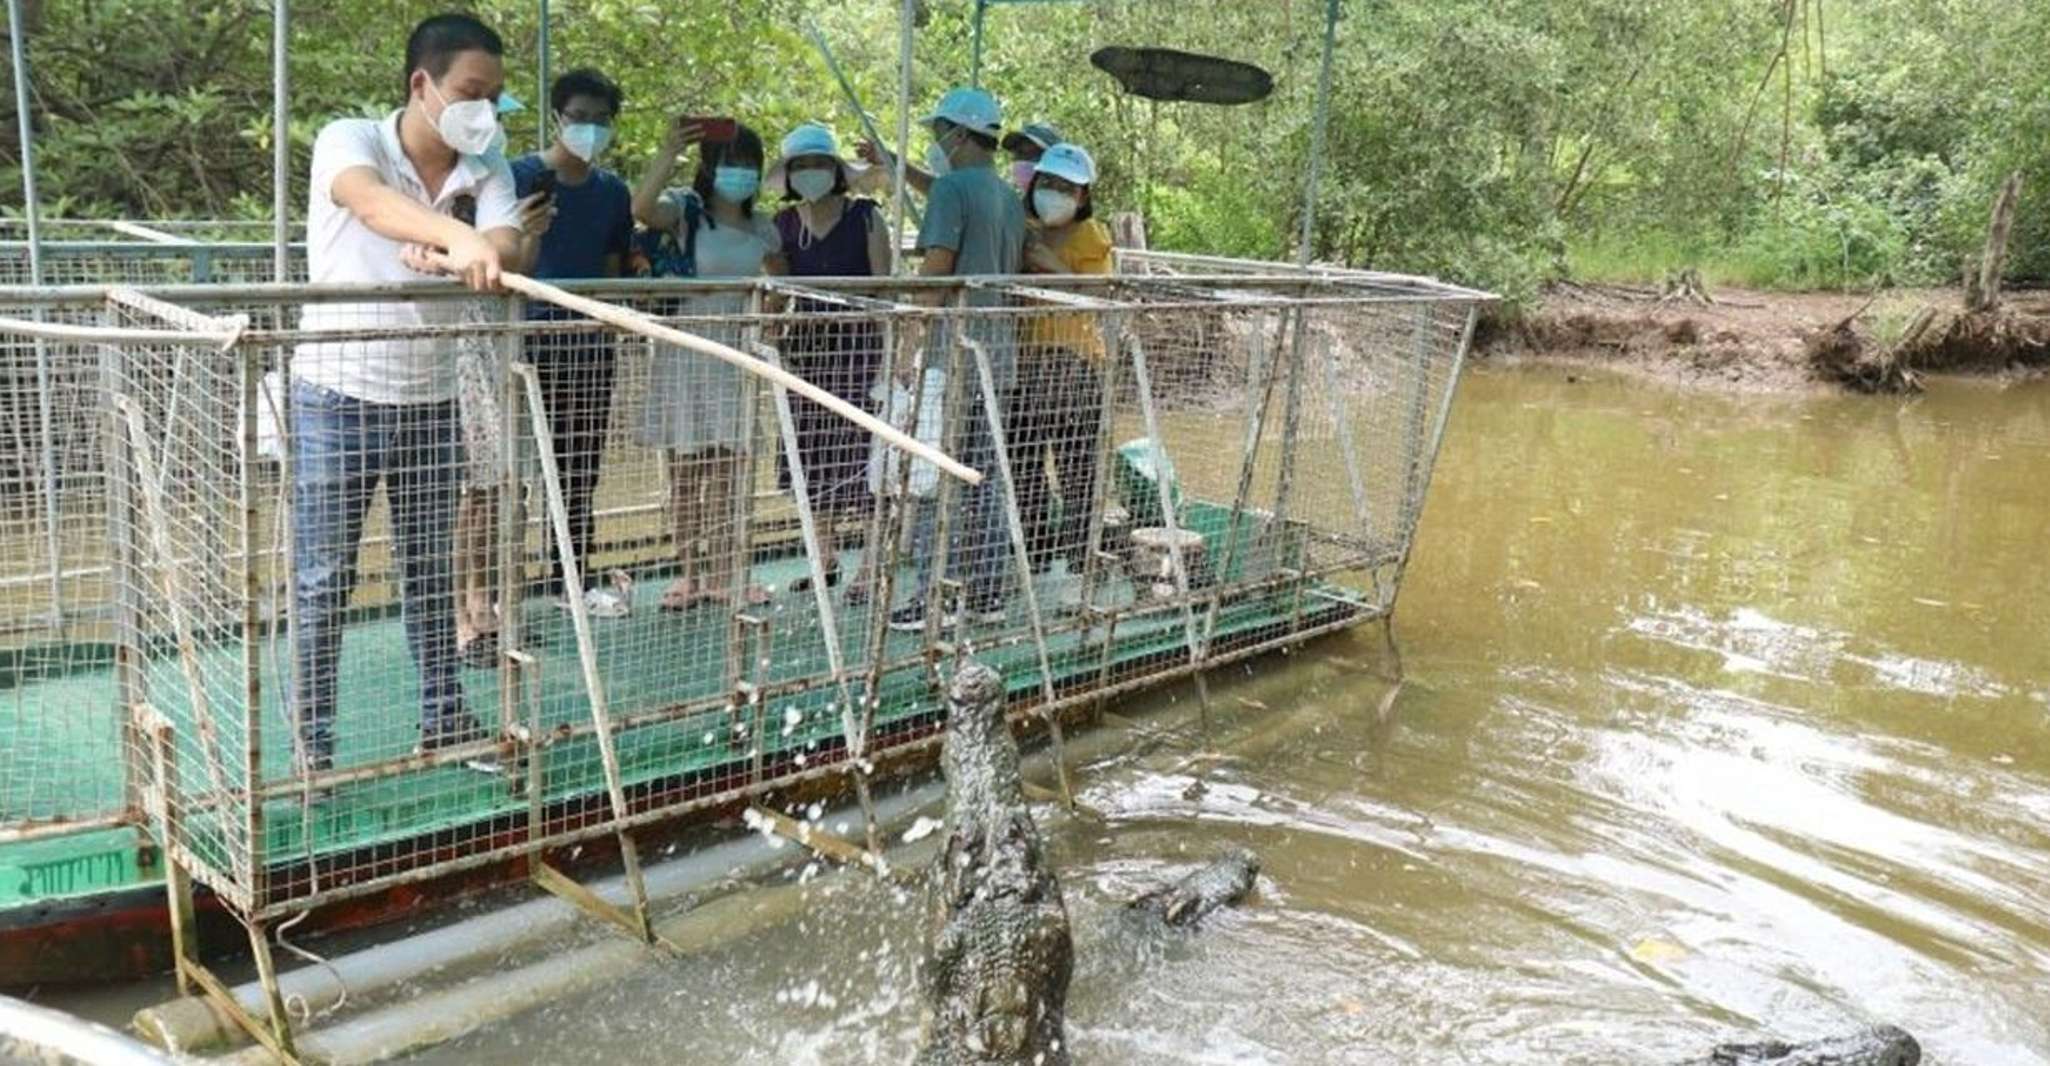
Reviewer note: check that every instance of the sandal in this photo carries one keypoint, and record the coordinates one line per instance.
(480, 652)
(803, 583)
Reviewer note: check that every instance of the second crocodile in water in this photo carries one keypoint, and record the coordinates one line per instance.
(1879, 1045)
(1188, 901)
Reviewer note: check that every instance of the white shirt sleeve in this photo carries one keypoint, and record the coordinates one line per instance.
(497, 206)
(343, 144)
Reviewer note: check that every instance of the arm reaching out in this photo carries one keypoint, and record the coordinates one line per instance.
(648, 205)
(915, 176)
(390, 213)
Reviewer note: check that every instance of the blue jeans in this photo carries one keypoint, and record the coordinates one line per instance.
(342, 448)
(979, 538)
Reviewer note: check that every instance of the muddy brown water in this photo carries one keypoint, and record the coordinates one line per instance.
(1721, 716)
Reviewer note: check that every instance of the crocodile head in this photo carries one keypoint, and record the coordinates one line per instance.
(980, 759)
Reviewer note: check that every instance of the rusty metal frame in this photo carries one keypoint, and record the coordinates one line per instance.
(1354, 614)
(528, 744)
(193, 977)
(993, 411)
(637, 922)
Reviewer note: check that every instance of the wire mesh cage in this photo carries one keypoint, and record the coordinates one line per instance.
(354, 588)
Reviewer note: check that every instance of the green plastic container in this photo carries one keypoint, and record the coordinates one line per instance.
(1138, 482)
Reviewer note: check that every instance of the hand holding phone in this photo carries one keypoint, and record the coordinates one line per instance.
(544, 185)
(712, 129)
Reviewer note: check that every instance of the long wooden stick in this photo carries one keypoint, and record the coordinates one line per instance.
(629, 319)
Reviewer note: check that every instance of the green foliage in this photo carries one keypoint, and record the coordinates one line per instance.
(1822, 242)
(1491, 142)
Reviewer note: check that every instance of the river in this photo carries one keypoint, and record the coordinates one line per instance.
(1721, 716)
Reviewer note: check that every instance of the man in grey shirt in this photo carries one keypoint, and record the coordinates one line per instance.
(974, 225)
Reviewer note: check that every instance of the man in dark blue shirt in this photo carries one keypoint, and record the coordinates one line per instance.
(590, 238)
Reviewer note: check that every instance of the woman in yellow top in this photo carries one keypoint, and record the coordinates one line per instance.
(1060, 369)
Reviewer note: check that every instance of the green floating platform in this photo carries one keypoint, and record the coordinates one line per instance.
(649, 661)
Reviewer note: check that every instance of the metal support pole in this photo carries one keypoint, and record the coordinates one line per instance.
(1261, 375)
(281, 137)
(1348, 445)
(1198, 654)
(543, 103)
(635, 921)
(1095, 570)
(1317, 131)
(994, 412)
(861, 115)
(127, 576)
(508, 570)
(31, 213)
(895, 511)
(898, 203)
(975, 49)
(249, 380)
(1417, 476)
(18, 44)
(822, 598)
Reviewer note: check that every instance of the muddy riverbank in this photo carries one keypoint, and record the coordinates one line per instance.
(1770, 342)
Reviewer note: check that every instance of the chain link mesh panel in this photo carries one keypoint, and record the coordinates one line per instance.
(415, 616)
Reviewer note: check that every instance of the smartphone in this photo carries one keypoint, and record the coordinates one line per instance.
(716, 130)
(544, 183)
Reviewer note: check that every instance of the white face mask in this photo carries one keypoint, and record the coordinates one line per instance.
(1054, 208)
(813, 185)
(586, 140)
(468, 126)
(936, 159)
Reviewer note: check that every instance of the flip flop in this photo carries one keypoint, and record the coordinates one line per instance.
(480, 652)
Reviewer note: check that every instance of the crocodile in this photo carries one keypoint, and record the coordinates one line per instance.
(1186, 902)
(998, 954)
(1879, 1045)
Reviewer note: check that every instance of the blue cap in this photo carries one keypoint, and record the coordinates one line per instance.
(1040, 133)
(971, 109)
(1070, 162)
(810, 139)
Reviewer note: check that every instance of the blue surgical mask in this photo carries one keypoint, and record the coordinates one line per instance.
(736, 185)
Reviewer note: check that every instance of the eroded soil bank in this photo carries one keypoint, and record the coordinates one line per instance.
(1778, 342)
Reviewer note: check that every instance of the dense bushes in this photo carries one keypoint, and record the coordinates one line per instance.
(1494, 142)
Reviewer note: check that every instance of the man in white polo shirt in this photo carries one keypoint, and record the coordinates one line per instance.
(384, 193)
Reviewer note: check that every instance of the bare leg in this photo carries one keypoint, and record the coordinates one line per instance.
(829, 553)
(476, 543)
(686, 489)
(728, 559)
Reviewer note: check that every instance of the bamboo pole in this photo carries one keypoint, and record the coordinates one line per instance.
(635, 321)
